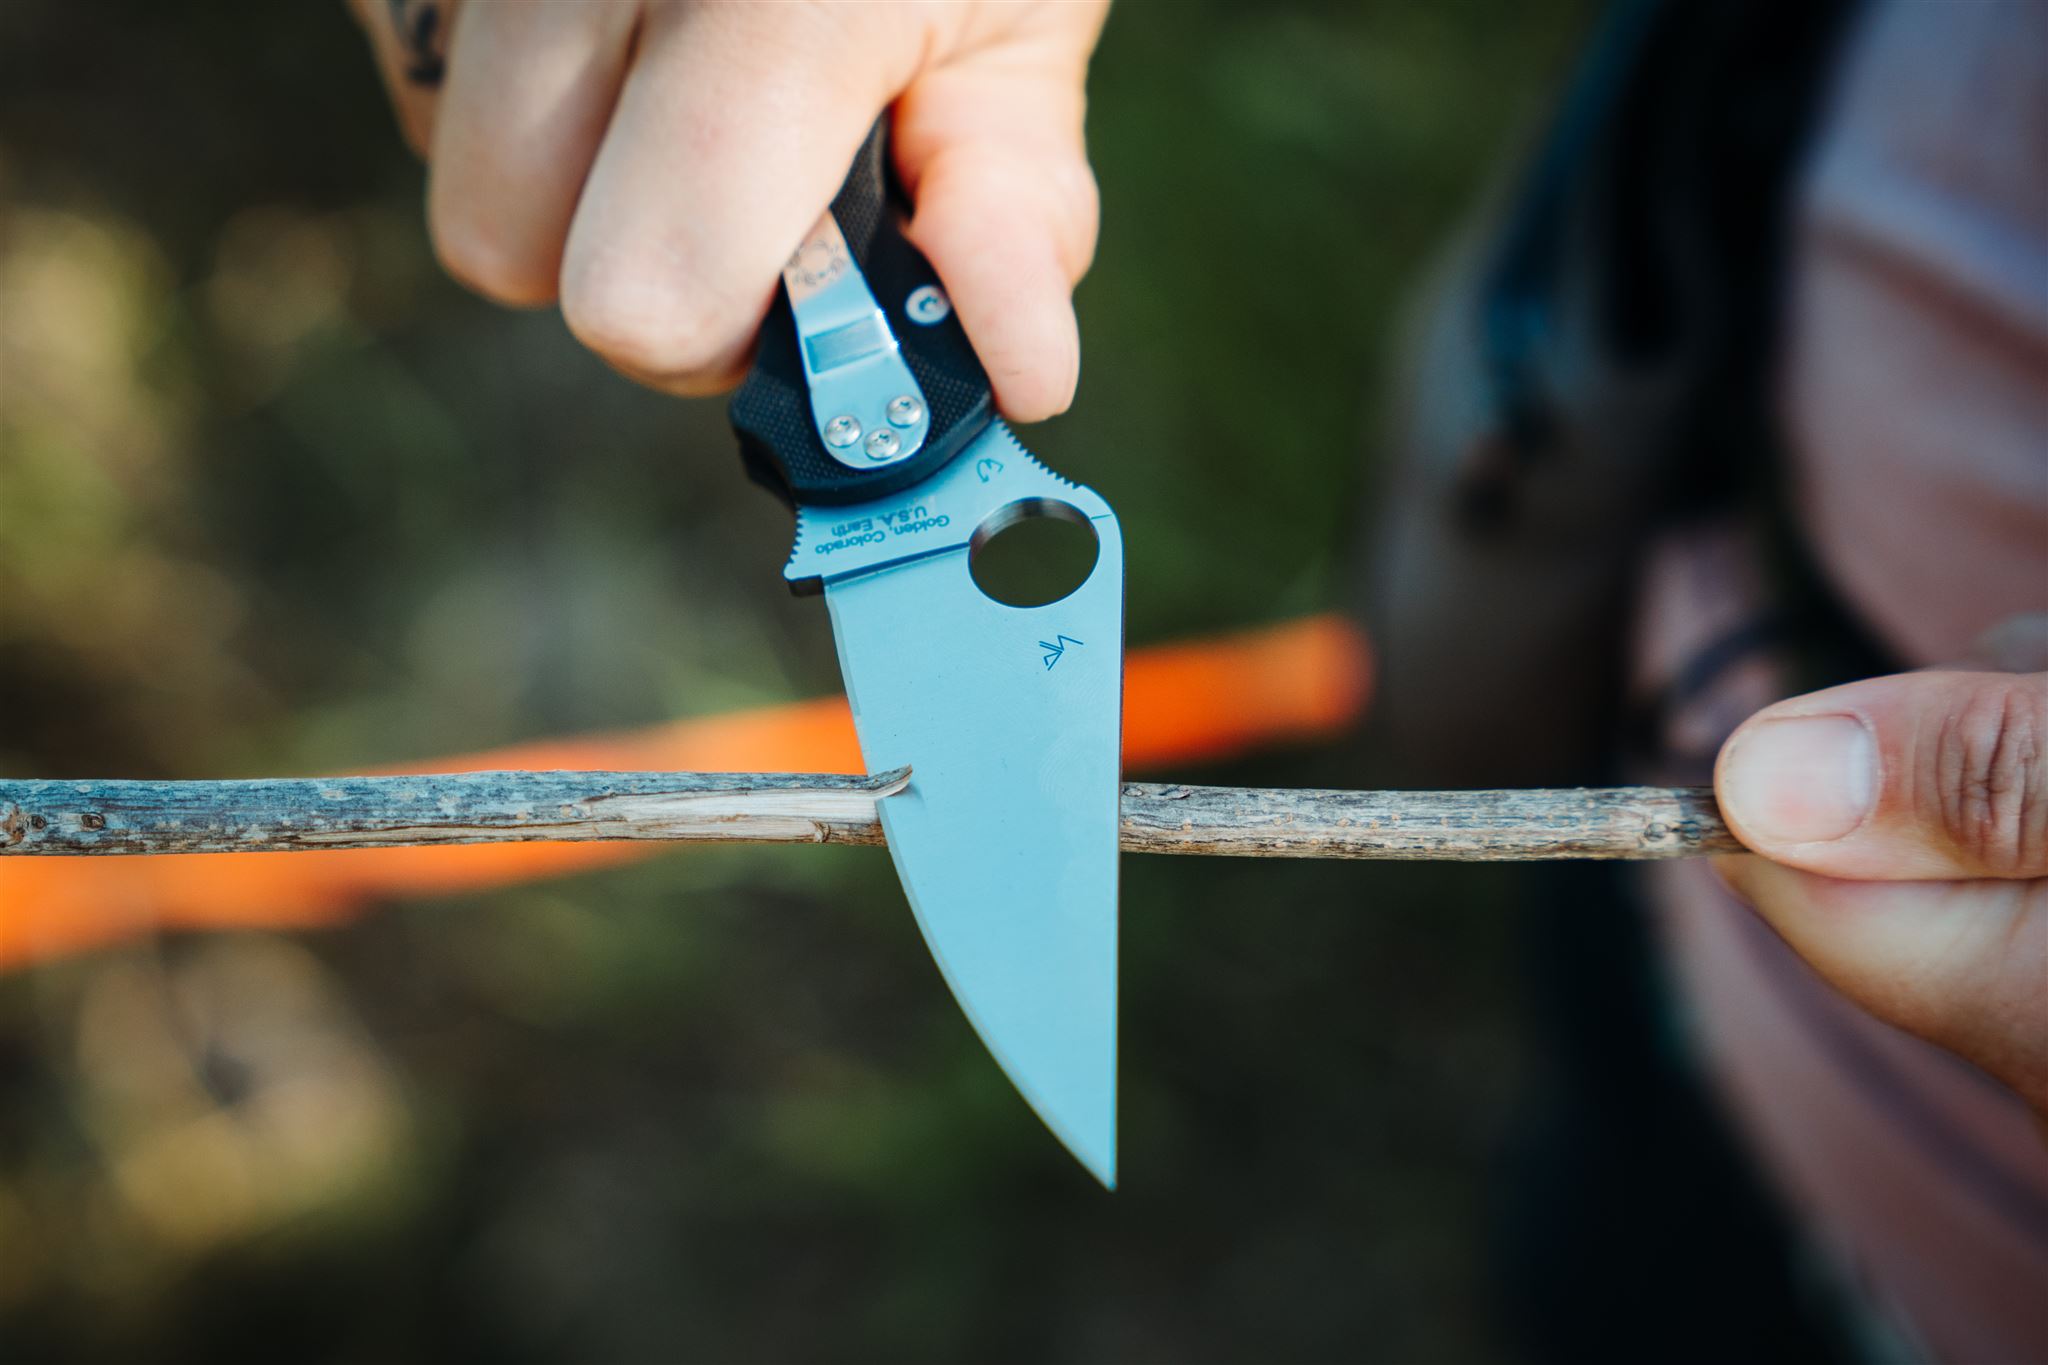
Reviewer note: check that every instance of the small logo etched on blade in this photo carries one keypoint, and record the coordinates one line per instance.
(988, 469)
(1056, 649)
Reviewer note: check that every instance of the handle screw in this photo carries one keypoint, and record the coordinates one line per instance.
(927, 304)
(841, 432)
(905, 411)
(882, 444)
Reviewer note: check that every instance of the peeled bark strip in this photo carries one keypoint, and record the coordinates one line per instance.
(287, 814)
(275, 815)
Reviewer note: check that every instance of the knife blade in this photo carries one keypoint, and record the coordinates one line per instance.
(867, 411)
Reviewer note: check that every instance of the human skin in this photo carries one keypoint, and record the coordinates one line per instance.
(1903, 828)
(651, 164)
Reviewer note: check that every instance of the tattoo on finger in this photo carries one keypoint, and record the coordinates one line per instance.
(420, 34)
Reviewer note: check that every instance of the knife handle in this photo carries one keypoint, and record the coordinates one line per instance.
(773, 414)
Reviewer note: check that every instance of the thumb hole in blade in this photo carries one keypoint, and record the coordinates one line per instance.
(1032, 553)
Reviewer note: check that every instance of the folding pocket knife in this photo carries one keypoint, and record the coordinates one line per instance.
(867, 411)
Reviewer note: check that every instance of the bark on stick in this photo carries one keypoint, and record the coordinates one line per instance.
(270, 815)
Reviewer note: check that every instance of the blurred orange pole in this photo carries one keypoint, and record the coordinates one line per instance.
(1197, 701)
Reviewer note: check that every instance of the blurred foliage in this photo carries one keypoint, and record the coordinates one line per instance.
(275, 496)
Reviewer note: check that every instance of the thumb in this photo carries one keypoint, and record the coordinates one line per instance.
(991, 148)
(1914, 777)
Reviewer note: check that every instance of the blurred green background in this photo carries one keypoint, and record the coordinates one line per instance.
(277, 497)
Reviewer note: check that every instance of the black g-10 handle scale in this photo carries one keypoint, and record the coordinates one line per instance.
(786, 410)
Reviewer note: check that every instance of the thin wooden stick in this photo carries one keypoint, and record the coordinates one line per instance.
(1456, 826)
(45, 817)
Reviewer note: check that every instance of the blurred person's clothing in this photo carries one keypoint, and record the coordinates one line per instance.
(1916, 400)
(1727, 502)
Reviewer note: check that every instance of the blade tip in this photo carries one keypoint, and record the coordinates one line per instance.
(1098, 1160)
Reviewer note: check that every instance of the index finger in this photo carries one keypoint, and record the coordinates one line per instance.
(732, 132)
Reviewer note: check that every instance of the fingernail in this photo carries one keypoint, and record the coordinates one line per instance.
(1802, 780)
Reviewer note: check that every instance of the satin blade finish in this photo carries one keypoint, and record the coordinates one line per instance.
(1010, 721)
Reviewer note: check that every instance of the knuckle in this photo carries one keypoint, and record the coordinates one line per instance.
(1079, 215)
(1068, 202)
(640, 330)
(481, 261)
(1990, 776)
